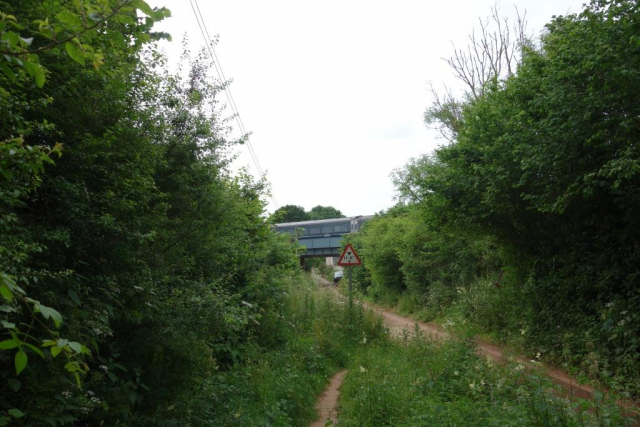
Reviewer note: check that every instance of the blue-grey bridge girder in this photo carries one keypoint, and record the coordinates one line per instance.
(322, 238)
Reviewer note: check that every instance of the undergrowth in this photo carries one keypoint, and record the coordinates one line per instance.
(304, 338)
(418, 382)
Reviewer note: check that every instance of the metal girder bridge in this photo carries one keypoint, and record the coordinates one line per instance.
(321, 238)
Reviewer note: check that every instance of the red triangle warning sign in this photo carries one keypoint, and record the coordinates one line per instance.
(349, 256)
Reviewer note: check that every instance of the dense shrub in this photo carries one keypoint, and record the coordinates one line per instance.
(303, 337)
(404, 252)
(135, 269)
(538, 188)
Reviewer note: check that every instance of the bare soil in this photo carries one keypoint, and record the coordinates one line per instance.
(327, 403)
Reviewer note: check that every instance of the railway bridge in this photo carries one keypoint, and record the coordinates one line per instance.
(321, 238)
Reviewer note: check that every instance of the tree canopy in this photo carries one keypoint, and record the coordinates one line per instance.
(293, 213)
(324, 212)
(290, 213)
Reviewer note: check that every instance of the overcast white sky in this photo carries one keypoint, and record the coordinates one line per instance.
(334, 91)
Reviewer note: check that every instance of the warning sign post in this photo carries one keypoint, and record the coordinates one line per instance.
(349, 258)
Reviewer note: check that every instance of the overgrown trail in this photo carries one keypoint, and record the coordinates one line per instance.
(399, 325)
(327, 403)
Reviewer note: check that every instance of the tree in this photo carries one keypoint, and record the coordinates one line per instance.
(545, 161)
(491, 55)
(136, 242)
(32, 282)
(289, 213)
(324, 212)
(50, 27)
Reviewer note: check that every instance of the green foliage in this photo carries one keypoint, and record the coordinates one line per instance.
(403, 252)
(134, 265)
(324, 212)
(21, 164)
(289, 213)
(293, 213)
(305, 337)
(526, 223)
(422, 382)
(325, 270)
(538, 165)
(49, 25)
(141, 285)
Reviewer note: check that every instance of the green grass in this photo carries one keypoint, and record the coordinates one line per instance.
(411, 382)
(423, 383)
(420, 382)
(300, 343)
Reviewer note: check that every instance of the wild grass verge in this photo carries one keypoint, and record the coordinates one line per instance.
(420, 382)
(304, 337)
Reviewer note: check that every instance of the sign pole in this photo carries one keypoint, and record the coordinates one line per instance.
(350, 290)
(348, 259)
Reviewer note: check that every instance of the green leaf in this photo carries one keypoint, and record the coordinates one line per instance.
(18, 289)
(16, 413)
(123, 19)
(20, 361)
(6, 279)
(119, 366)
(11, 38)
(69, 18)
(74, 296)
(95, 16)
(55, 351)
(117, 38)
(143, 6)
(49, 312)
(48, 343)
(6, 293)
(85, 350)
(36, 71)
(15, 384)
(8, 72)
(7, 325)
(8, 344)
(75, 52)
(75, 346)
(161, 35)
(34, 348)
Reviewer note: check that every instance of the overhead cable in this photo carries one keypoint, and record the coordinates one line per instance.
(232, 104)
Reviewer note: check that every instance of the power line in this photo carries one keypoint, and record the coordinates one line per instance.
(219, 71)
(218, 66)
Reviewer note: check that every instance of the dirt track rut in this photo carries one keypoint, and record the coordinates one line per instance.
(327, 404)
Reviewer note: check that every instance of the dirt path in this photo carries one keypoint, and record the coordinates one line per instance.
(327, 403)
(398, 324)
